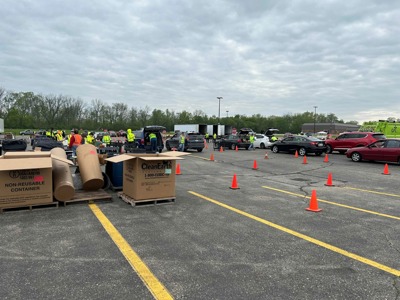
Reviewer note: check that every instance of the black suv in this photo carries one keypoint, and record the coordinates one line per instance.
(142, 137)
(193, 140)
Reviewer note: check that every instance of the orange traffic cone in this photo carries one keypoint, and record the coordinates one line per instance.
(255, 167)
(329, 180)
(296, 154)
(221, 149)
(236, 149)
(234, 183)
(178, 169)
(313, 202)
(266, 155)
(386, 170)
(326, 159)
(304, 160)
(212, 157)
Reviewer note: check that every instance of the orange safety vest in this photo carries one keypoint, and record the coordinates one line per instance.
(78, 139)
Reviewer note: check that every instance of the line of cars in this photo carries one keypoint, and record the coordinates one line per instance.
(358, 146)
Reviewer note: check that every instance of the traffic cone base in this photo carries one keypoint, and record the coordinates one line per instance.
(386, 170)
(178, 170)
(234, 185)
(313, 202)
(329, 180)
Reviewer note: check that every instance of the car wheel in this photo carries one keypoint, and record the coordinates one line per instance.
(262, 146)
(233, 146)
(199, 150)
(302, 151)
(275, 149)
(356, 157)
(328, 149)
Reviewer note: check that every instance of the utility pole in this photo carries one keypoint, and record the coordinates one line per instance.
(219, 108)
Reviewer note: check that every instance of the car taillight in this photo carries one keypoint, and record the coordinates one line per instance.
(314, 143)
(238, 141)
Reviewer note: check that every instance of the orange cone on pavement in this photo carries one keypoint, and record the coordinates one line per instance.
(296, 154)
(386, 170)
(329, 180)
(212, 157)
(255, 167)
(178, 169)
(313, 202)
(305, 160)
(236, 149)
(221, 149)
(266, 155)
(234, 185)
(326, 159)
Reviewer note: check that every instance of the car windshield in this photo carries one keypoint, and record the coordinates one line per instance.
(379, 136)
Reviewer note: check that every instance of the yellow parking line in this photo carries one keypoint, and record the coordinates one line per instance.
(199, 157)
(304, 237)
(334, 203)
(372, 192)
(157, 289)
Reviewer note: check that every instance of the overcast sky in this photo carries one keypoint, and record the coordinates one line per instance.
(263, 57)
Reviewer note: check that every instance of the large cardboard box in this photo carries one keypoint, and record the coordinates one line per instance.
(148, 176)
(26, 178)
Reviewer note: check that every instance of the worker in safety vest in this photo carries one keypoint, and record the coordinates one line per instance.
(182, 142)
(153, 141)
(130, 137)
(207, 137)
(59, 136)
(215, 137)
(106, 138)
(273, 139)
(252, 139)
(48, 133)
(75, 141)
(90, 138)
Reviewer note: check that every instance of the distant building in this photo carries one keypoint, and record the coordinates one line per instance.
(332, 128)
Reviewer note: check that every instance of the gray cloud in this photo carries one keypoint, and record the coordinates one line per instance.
(267, 57)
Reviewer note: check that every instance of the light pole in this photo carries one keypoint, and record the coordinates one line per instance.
(219, 107)
(227, 113)
(315, 116)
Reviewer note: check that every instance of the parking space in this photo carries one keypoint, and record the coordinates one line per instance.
(214, 242)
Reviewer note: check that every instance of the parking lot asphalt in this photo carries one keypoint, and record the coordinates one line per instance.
(214, 242)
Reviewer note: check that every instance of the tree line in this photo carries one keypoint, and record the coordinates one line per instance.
(27, 110)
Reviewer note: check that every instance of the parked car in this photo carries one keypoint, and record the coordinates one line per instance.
(348, 140)
(387, 150)
(193, 140)
(27, 132)
(262, 141)
(322, 135)
(300, 143)
(142, 137)
(233, 141)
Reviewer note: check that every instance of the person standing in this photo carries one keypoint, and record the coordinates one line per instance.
(75, 141)
(215, 137)
(207, 137)
(252, 139)
(153, 141)
(182, 142)
(106, 138)
(130, 137)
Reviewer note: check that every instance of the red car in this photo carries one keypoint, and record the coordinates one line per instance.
(348, 140)
(387, 150)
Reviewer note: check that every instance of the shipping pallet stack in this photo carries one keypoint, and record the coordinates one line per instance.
(89, 196)
(146, 202)
(29, 207)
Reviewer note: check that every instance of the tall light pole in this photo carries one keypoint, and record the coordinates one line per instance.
(219, 107)
(227, 113)
(315, 116)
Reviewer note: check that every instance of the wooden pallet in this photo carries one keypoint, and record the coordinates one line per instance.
(89, 196)
(146, 202)
(29, 207)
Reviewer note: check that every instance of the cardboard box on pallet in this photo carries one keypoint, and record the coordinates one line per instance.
(26, 178)
(148, 176)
